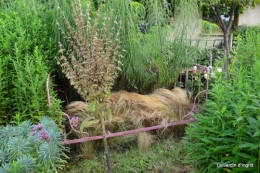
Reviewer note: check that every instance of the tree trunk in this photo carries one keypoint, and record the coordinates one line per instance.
(225, 29)
(226, 48)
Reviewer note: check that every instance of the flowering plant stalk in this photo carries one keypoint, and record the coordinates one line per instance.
(93, 60)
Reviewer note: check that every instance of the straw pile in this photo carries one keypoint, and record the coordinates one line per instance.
(132, 110)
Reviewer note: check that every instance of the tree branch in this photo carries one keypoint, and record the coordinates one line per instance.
(231, 14)
(218, 15)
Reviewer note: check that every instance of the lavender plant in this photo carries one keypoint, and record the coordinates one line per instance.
(32, 148)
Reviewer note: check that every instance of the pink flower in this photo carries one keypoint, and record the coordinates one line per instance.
(74, 121)
(33, 133)
(38, 127)
(44, 135)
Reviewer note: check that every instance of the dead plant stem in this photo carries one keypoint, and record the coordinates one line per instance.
(105, 142)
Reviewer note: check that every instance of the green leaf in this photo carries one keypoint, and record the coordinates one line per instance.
(248, 145)
(256, 134)
(244, 155)
(223, 109)
(240, 119)
(235, 149)
(88, 122)
(206, 140)
(230, 132)
(253, 121)
(222, 148)
(216, 139)
(251, 107)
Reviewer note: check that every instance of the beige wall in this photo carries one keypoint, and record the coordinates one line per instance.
(250, 17)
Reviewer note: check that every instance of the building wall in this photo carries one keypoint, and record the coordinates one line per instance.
(250, 17)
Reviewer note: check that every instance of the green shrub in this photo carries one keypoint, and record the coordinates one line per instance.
(27, 56)
(27, 148)
(240, 31)
(29, 99)
(151, 51)
(228, 129)
(24, 25)
(3, 89)
(208, 27)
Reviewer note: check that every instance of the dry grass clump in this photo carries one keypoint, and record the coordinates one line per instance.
(77, 109)
(176, 100)
(159, 108)
(132, 110)
(144, 139)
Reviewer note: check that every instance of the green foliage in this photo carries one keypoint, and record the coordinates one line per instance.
(228, 8)
(27, 51)
(163, 156)
(208, 27)
(23, 149)
(3, 89)
(138, 9)
(216, 53)
(88, 122)
(29, 85)
(240, 31)
(151, 51)
(228, 130)
(226, 4)
(25, 28)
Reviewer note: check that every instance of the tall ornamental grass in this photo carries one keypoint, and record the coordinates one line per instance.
(154, 56)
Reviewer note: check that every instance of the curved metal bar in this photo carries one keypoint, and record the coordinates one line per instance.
(110, 135)
(194, 103)
(73, 127)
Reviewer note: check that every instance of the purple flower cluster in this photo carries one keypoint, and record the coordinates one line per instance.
(44, 135)
(38, 127)
(33, 133)
(74, 121)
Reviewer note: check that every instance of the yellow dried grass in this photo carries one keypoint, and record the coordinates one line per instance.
(77, 109)
(144, 139)
(176, 100)
(132, 110)
(141, 110)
